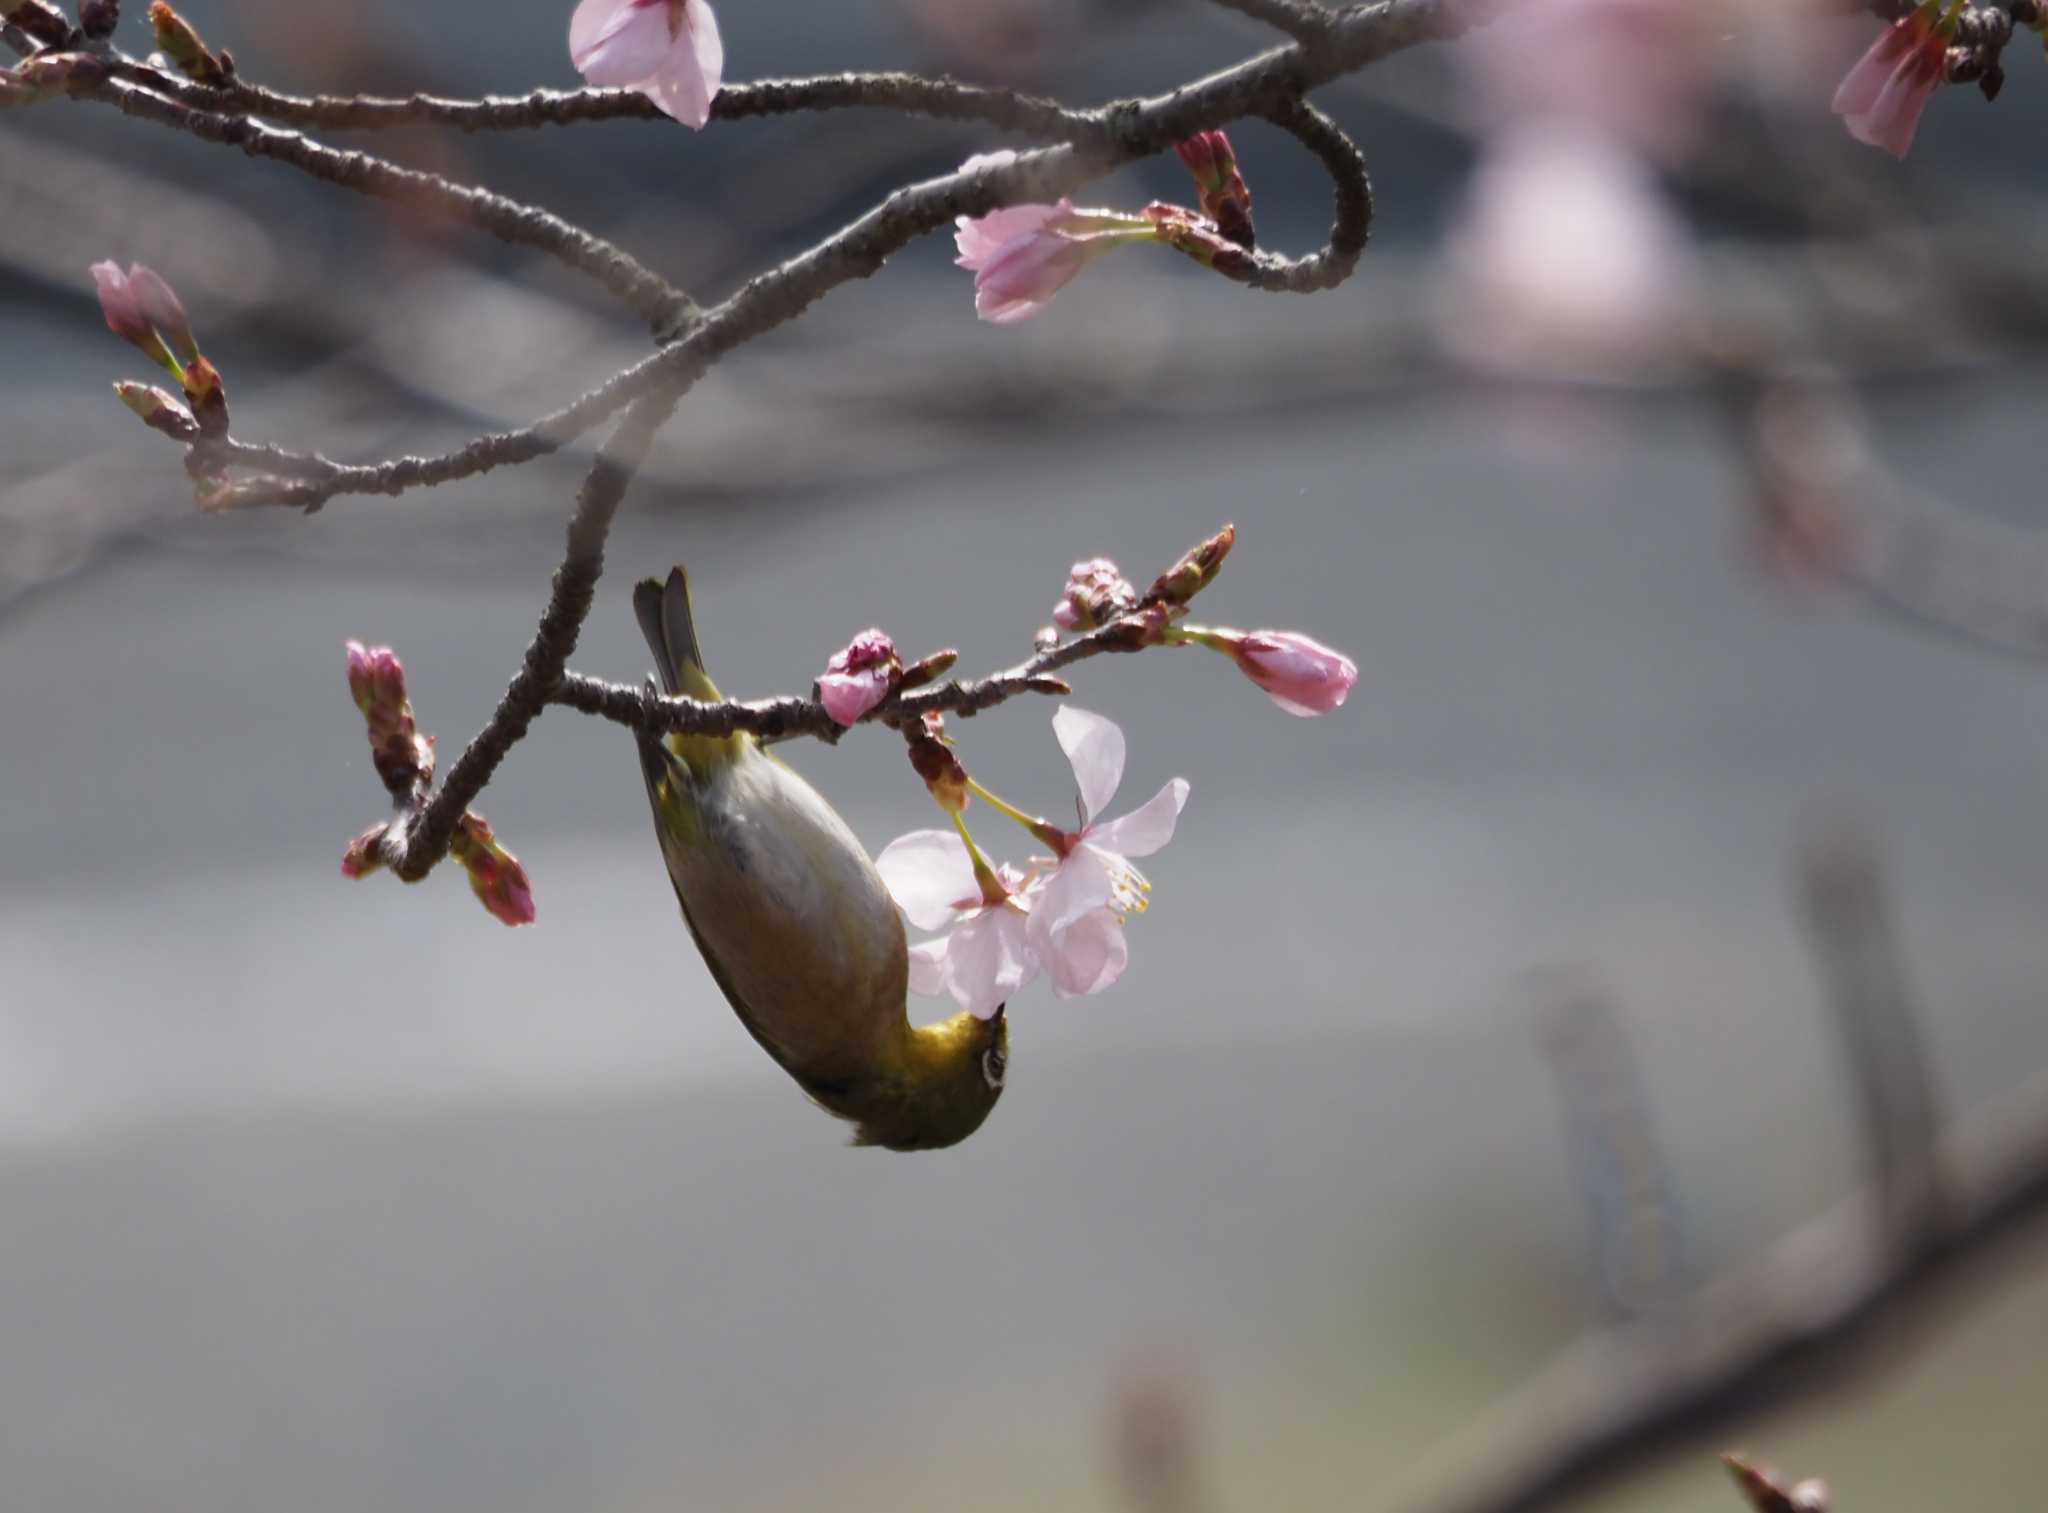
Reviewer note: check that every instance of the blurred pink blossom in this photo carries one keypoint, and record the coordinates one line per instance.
(669, 50)
(859, 677)
(1634, 70)
(1565, 261)
(1881, 98)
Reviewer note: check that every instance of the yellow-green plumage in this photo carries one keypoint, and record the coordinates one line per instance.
(796, 925)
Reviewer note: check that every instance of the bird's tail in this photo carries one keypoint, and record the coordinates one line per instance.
(663, 610)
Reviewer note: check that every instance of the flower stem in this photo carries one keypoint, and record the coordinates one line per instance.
(1040, 829)
(992, 890)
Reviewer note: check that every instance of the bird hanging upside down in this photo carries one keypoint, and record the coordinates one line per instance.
(796, 924)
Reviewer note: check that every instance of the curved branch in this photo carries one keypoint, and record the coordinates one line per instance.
(649, 295)
(1348, 233)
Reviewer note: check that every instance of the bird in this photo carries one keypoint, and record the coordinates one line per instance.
(797, 926)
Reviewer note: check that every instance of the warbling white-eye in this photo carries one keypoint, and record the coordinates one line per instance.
(796, 924)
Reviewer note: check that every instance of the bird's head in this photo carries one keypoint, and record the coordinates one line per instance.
(951, 1076)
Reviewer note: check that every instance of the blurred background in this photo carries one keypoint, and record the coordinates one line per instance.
(1653, 892)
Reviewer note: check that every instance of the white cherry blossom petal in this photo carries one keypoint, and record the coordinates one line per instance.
(1094, 744)
(1148, 827)
(616, 44)
(928, 874)
(928, 967)
(986, 961)
(1088, 956)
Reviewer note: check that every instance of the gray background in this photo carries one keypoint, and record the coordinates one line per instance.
(340, 1196)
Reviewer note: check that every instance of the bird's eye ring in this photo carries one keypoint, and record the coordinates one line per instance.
(993, 1064)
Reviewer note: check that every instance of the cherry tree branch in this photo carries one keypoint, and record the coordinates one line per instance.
(412, 846)
(779, 719)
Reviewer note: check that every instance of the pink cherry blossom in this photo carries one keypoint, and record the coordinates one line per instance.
(1882, 96)
(1303, 676)
(1076, 922)
(1566, 259)
(1023, 255)
(984, 956)
(669, 50)
(859, 677)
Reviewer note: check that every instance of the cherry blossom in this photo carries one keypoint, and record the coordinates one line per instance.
(983, 956)
(1023, 255)
(669, 50)
(1076, 921)
(1300, 674)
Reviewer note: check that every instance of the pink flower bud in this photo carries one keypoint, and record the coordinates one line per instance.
(495, 875)
(143, 311)
(1226, 198)
(1882, 96)
(402, 756)
(1208, 157)
(1302, 676)
(860, 677)
(1097, 592)
(361, 858)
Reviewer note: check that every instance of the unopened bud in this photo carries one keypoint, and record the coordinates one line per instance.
(182, 44)
(1096, 593)
(927, 669)
(160, 411)
(98, 18)
(859, 676)
(42, 21)
(1226, 198)
(942, 770)
(402, 756)
(207, 395)
(60, 73)
(364, 854)
(495, 874)
(1139, 629)
(1194, 572)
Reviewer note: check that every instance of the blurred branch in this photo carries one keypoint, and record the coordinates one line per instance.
(1792, 1319)
(1789, 1321)
(1852, 925)
(1632, 1211)
(1821, 502)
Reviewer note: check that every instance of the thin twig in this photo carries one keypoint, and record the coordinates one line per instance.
(778, 719)
(650, 296)
(413, 846)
